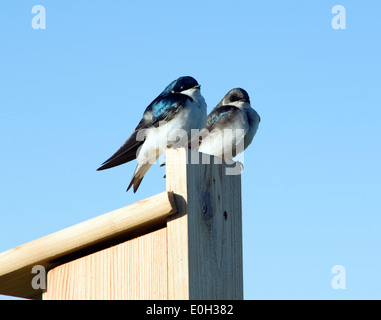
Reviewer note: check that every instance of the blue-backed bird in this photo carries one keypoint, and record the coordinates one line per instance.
(166, 122)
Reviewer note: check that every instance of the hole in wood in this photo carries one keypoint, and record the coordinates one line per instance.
(206, 206)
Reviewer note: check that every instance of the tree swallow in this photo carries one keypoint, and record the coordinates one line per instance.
(167, 122)
(230, 127)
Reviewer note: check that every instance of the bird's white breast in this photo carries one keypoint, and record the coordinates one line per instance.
(195, 110)
(235, 136)
(177, 131)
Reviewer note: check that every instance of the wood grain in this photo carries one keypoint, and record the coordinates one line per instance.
(205, 235)
(185, 243)
(16, 264)
(135, 269)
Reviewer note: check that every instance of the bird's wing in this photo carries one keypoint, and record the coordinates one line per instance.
(163, 108)
(125, 153)
(221, 117)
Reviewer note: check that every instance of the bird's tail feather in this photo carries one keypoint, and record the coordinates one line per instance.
(136, 181)
(138, 176)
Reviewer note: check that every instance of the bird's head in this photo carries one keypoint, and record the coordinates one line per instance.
(182, 84)
(236, 95)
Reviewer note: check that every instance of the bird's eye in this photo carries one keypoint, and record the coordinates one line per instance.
(233, 98)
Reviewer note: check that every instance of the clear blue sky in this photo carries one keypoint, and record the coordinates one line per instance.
(72, 93)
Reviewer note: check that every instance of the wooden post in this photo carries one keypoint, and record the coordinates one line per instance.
(205, 235)
(185, 243)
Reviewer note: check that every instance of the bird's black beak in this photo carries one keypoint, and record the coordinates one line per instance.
(197, 86)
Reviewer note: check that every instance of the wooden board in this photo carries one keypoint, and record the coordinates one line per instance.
(135, 269)
(65, 245)
(205, 235)
(185, 243)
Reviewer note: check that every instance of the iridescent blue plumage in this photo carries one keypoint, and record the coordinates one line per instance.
(161, 107)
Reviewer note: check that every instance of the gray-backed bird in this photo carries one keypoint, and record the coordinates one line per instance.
(230, 127)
